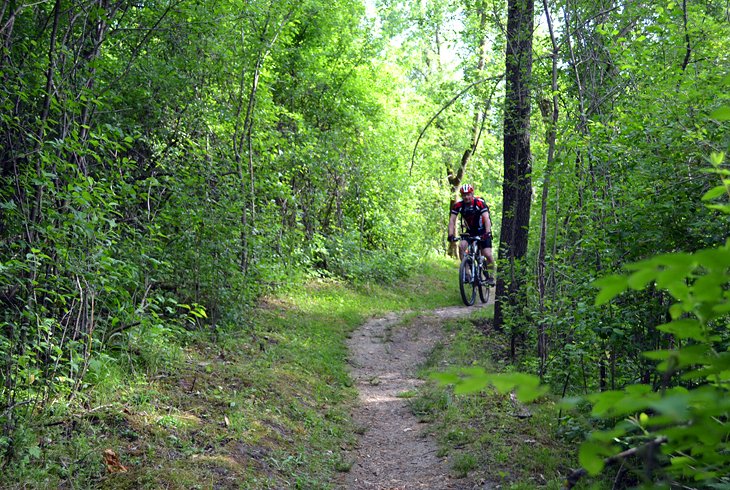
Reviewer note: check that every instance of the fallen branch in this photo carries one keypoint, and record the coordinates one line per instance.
(573, 478)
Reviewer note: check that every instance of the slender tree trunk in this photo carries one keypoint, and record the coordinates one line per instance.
(550, 116)
(246, 133)
(45, 112)
(517, 187)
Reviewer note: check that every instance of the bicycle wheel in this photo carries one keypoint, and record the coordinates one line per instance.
(467, 281)
(484, 289)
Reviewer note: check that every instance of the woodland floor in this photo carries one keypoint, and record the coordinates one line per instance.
(394, 449)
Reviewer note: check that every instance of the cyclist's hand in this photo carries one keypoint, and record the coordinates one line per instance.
(486, 236)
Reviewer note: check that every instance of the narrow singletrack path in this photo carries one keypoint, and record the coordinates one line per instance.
(394, 451)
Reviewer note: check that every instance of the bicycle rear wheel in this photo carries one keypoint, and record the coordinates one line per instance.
(467, 281)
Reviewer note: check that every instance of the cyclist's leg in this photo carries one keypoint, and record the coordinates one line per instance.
(462, 249)
(489, 265)
(486, 250)
(463, 245)
(489, 256)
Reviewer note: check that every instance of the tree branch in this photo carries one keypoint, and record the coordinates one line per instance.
(580, 473)
(688, 53)
(446, 106)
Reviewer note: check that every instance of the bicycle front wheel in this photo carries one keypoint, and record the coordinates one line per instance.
(484, 289)
(467, 281)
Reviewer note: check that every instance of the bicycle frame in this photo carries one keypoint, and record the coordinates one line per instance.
(473, 273)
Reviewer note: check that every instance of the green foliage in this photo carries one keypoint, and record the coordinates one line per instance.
(480, 429)
(677, 424)
(463, 464)
(163, 167)
(688, 418)
(470, 380)
(629, 185)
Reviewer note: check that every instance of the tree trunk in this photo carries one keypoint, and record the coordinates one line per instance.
(517, 187)
(549, 111)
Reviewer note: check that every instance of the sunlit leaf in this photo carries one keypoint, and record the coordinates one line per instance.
(471, 384)
(445, 378)
(604, 402)
(716, 158)
(714, 193)
(684, 329)
(721, 113)
(675, 406)
(725, 208)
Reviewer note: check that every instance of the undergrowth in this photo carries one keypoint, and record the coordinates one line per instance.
(487, 435)
(260, 404)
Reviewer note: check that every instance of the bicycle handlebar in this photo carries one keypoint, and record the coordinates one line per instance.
(467, 237)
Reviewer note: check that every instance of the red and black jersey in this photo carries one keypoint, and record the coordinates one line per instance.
(472, 215)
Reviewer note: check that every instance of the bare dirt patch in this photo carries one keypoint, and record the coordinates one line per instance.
(394, 450)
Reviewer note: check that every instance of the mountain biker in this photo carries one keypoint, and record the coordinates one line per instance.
(475, 216)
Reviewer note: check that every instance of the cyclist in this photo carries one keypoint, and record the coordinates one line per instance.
(475, 216)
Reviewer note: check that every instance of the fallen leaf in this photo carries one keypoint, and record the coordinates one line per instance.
(112, 462)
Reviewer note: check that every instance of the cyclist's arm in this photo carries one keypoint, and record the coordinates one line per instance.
(452, 225)
(487, 222)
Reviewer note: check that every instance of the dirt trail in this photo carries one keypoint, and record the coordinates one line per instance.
(394, 453)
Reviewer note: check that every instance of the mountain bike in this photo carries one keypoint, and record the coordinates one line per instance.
(473, 273)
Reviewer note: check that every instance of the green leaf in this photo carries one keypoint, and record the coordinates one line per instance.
(608, 435)
(527, 386)
(676, 310)
(716, 159)
(694, 354)
(605, 401)
(640, 389)
(721, 114)
(641, 278)
(725, 208)
(684, 329)
(445, 378)
(472, 380)
(715, 258)
(611, 286)
(527, 393)
(722, 308)
(471, 384)
(590, 457)
(680, 260)
(714, 193)
(675, 406)
(682, 461)
(673, 281)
